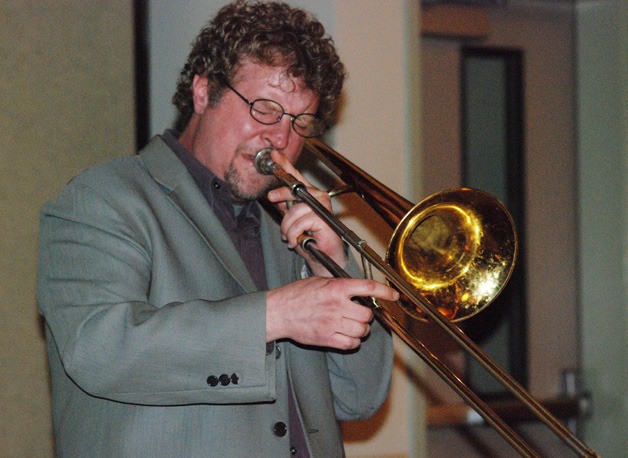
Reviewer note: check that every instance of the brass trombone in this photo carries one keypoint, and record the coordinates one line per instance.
(449, 257)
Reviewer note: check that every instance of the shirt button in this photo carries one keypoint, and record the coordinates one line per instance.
(216, 185)
(280, 429)
(293, 451)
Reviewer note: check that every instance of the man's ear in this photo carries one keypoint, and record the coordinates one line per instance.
(200, 93)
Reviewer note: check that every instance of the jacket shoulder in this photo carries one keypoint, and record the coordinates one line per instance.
(124, 175)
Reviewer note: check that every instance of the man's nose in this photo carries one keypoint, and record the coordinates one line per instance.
(279, 133)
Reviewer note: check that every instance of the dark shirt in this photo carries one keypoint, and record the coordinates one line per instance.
(243, 229)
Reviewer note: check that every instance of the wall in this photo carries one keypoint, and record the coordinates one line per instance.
(66, 91)
(602, 74)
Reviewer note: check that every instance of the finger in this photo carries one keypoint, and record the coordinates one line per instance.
(297, 211)
(279, 195)
(352, 327)
(372, 288)
(283, 162)
(299, 208)
(311, 225)
(344, 342)
(284, 194)
(358, 314)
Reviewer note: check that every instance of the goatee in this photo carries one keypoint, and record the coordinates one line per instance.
(237, 186)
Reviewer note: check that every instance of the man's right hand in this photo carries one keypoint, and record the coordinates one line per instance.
(319, 311)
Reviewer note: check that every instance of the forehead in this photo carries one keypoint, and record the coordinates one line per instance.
(258, 75)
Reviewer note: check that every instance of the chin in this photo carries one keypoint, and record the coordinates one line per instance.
(253, 191)
(244, 186)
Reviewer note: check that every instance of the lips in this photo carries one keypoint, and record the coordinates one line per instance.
(249, 158)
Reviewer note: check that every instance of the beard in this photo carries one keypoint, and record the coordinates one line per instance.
(243, 189)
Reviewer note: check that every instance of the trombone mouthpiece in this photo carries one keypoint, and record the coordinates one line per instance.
(263, 162)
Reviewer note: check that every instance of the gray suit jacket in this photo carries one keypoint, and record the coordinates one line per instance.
(145, 298)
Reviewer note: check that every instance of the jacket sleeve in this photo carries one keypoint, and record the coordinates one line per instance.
(97, 271)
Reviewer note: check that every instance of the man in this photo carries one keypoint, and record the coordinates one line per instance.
(178, 321)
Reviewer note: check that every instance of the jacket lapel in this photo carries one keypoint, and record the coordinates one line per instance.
(167, 170)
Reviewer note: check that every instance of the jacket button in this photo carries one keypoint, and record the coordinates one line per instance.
(224, 380)
(280, 429)
(212, 380)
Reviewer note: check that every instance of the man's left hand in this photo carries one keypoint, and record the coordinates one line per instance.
(300, 218)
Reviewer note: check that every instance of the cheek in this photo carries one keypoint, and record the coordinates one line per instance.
(235, 125)
(247, 126)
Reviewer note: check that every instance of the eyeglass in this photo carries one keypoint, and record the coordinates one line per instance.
(269, 112)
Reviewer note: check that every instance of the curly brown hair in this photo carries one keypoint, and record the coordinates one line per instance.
(271, 33)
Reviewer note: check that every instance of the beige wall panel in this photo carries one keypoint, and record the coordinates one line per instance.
(379, 130)
(66, 91)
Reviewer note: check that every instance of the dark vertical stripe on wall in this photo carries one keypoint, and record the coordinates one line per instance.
(511, 306)
(142, 106)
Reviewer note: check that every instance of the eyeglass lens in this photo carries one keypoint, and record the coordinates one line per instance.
(270, 112)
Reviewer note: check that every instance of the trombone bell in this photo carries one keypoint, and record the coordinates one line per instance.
(457, 248)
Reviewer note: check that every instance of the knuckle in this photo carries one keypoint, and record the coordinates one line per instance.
(371, 286)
